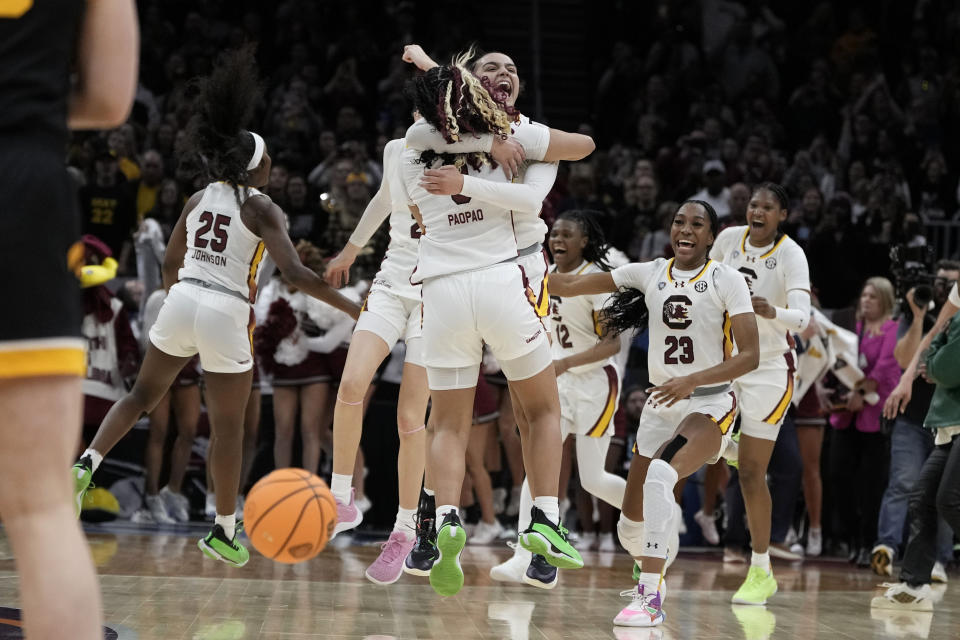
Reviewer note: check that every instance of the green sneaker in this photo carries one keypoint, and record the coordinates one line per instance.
(636, 571)
(550, 541)
(758, 586)
(217, 546)
(446, 575)
(732, 453)
(82, 473)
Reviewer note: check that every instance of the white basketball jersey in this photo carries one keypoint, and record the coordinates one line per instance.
(770, 272)
(401, 256)
(220, 248)
(689, 314)
(532, 135)
(461, 233)
(575, 322)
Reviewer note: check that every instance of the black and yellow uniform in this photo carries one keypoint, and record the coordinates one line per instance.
(40, 325)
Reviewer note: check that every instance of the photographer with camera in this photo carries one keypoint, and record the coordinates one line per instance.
(937, 489)
(910, 443)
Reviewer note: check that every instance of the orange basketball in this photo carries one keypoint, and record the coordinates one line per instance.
(289, 515)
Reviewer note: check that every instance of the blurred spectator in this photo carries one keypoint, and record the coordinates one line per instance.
(107, 209)
(859, 449)
(147, 187)
(715, 191)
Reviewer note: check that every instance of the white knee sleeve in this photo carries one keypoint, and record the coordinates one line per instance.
(658, 508)
(591, 460)
(631, 534)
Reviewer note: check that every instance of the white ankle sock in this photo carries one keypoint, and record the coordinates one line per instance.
(340, 485)
(429, 492)
(650, 582)
(405, 523)
(95, 456)
(761, 560)
(229, 524)
(443, 510)
(550, 507)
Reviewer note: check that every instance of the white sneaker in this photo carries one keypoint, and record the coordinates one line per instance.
(681, 523)
(363, 503)
(499, 499)
(708, 526)
(158, 510)
(177, 504)
(784, 553)
(607, 543)
(939, 573)
(142, 516)
(514, 568)
(210, 506)
(485, 533)
(587, 542)
(814, 542)
(902, 596)
(513, 507)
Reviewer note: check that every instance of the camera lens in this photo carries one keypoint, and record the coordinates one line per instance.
(922, 295)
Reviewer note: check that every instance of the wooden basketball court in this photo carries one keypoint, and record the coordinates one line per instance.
(157, 585)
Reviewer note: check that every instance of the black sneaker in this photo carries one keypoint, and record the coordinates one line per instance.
(424, 553)
(540, 573)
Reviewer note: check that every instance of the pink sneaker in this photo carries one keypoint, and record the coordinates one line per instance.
(645, 610)
(348, 516)
(388, 566)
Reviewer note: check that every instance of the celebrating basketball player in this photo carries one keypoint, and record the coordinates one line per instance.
(499, 72)
(467, 263)
(211, 270)
(696, 308)
(777, 275)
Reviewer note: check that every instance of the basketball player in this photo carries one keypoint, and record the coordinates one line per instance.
(777, 275)
(42, 359)
(473, 293)
(500, 72)
(696, 307)
(210, 270)
(391, 311)
(587, 379)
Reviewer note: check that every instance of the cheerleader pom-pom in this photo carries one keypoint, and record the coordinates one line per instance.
(281, 322)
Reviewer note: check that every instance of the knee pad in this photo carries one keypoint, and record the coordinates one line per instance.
(672, 447)
(658, 500)
(631, 535)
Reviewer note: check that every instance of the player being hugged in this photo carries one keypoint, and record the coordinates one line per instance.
(211, 269)
(697, 308)
(474, 293)
(776, 272)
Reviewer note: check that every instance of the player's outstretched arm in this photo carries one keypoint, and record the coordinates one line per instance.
(271, 227)
(107, 57)
(570, 284)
